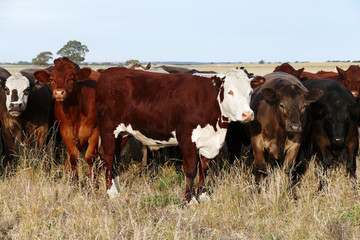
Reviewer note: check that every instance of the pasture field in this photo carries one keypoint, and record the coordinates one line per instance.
(43, 203)
(257, 69)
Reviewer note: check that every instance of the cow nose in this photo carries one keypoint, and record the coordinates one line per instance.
(59, 93)
(338, 140)
(355, 93)
(15, 105)
(295, 127)
(247, 116)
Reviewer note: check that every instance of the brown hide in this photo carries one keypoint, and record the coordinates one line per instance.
(74, 91)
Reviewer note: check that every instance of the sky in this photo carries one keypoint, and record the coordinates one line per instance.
(186, 30)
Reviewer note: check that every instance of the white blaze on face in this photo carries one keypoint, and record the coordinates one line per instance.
(237, 93)
(17, 89)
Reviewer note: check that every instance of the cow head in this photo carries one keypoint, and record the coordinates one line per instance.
(336, 117)
(291, 104)
(234, 97)
(287, 68)
(351, 79)
(63, 77)
(17, 88)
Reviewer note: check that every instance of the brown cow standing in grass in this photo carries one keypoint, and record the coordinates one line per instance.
(280, 107)
(74, 91)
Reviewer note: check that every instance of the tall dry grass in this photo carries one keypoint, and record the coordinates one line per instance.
(44, 204)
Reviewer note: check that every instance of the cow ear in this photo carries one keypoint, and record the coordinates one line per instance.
(42, 76)
(83, 74)
(299, 72)
(355, 109)
(341, 72)
(257, 81)
(269, 94)
(314, 95)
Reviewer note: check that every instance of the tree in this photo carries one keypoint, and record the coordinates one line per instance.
(42, 58)
(74, 50)
(132, 62)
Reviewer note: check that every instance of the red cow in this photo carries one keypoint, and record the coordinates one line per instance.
(74, 91)
(170, 109)
(350, 78)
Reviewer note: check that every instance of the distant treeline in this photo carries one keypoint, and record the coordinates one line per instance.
(169, 63)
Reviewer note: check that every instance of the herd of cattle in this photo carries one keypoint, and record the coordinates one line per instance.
(286, 116)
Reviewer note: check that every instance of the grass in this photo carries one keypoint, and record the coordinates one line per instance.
(40, 204)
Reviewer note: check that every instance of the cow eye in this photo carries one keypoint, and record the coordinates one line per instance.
(26, 91)
(305, 106)
(281, 106)
(51, 79)
(231, 93)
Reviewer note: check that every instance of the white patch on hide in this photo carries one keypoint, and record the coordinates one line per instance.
(208, 140)
(152, 143)
(113, 192)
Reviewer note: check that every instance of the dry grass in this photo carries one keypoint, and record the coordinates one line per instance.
(39, 204)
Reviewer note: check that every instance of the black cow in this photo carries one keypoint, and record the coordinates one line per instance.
(26, 109)
(334, 124)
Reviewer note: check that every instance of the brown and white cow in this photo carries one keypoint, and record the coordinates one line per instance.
(74, 91)
(26, 112)
(170, 109)
(280, 106)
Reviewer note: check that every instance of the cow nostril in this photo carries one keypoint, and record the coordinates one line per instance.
(338, 140)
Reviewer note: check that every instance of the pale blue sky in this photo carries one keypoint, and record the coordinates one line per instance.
(187, 30)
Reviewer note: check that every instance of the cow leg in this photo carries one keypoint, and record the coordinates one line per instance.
(189, 154)
(290, 159)
(321, 143)
(260, 162)
(72, 152)
(91, 153)
(351, 150)
(203, 170)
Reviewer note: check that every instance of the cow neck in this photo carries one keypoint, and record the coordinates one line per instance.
(223, 120)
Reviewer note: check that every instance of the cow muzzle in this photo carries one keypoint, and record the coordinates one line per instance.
(294, 128)
(247, 116)
(338, 141)
(15, 109)
(59, 94)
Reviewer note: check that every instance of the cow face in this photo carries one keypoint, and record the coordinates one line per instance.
(17, 89)
(336, 117)
(351, 79)
(63, 77)
(291, 103)
(235, 98)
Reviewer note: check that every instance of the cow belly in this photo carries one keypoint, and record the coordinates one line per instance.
(208, 140)
(152, 143)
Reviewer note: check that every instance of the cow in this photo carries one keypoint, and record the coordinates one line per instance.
(333, 125)
(26, 111)
(74, 91)
(350, 78)
(170, 109)
(280, 106)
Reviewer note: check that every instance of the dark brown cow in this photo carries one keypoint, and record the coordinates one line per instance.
(26, 111)
(170, 109)
(74, 91)
(280, 106)
(333, 125)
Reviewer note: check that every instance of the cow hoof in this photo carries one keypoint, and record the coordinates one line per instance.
(204, 198)
(113, 191)
(192, 203)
